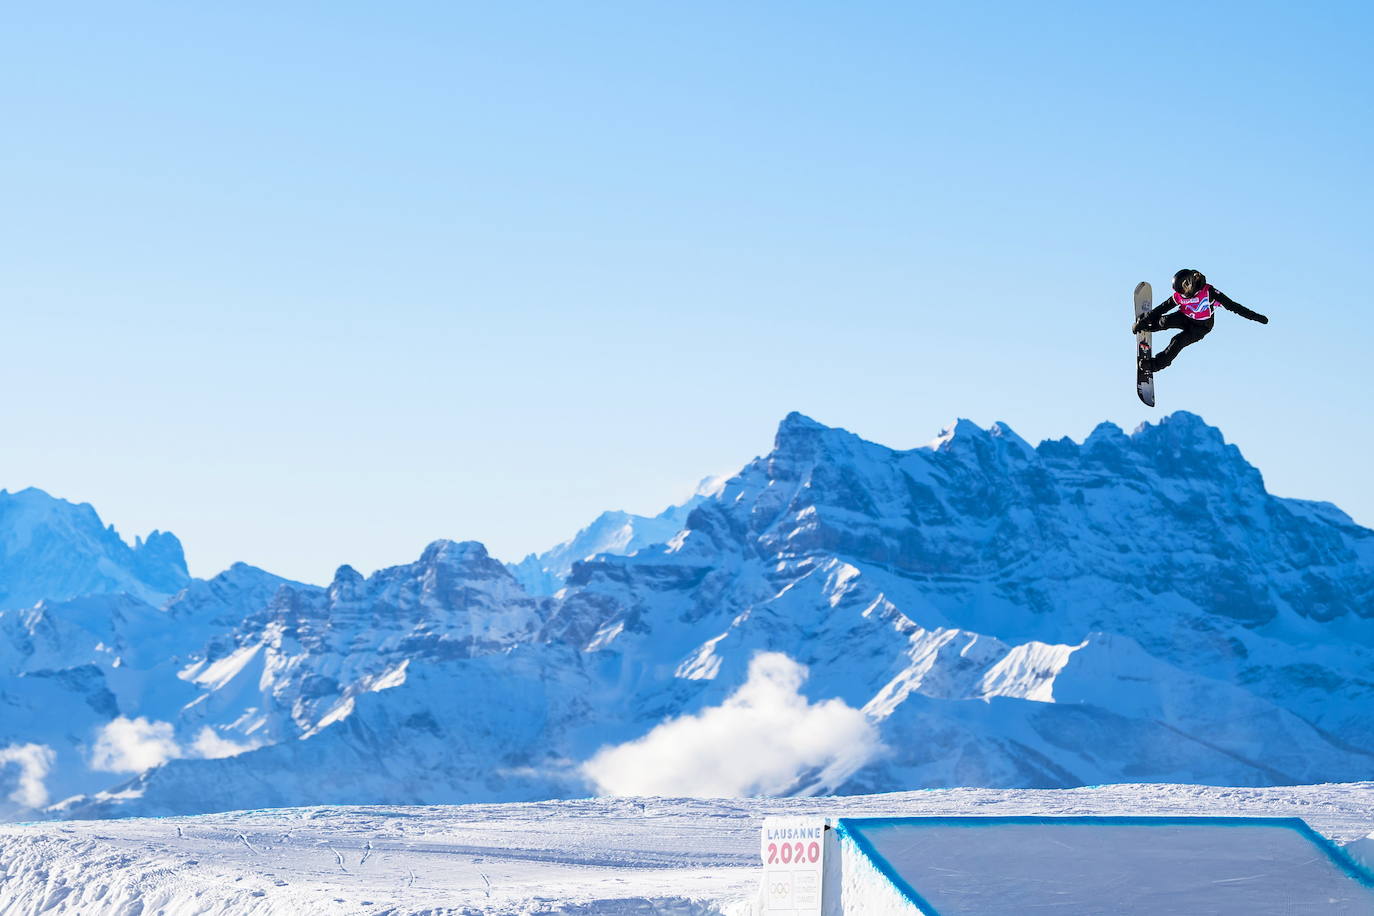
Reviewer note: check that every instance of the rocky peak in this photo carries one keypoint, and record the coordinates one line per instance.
(1182, 445)
(469, 558)
(55, 549)
(961, 434)
(348, 584)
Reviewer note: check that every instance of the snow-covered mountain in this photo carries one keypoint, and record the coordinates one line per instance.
(55, 550)
(619, 533)
(973, 612)
(1132, 607)
(88, 685)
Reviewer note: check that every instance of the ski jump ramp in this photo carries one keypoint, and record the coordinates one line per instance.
(1058, 866)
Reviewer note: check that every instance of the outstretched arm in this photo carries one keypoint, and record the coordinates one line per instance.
(1227, 302)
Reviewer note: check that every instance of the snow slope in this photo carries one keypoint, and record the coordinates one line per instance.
(609, 856)
(88, 686)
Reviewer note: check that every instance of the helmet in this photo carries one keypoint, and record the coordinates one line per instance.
(1188, 281)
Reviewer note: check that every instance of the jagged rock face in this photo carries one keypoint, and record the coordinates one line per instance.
(984, 532)
(859, 560)
(456, 600)
(310, 652)
(53, 550)
(1132, 608)
(1172, 508)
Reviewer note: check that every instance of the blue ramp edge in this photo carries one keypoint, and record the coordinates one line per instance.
(853, 829)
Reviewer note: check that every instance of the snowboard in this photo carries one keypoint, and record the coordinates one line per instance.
(1144, 378)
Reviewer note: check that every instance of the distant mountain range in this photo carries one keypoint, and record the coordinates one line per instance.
(837, 617)
(52, 549)
(614, 532)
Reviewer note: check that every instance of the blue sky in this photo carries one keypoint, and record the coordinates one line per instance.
(312, 284)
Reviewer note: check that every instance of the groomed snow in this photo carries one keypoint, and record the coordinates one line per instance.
(682, 857)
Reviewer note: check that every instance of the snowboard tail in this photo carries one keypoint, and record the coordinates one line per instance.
(1144, 378)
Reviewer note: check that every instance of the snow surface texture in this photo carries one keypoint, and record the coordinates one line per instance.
(612, 856)
(971, 612)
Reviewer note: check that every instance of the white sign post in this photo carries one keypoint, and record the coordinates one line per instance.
(793, 852)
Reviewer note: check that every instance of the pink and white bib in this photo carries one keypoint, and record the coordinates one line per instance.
(1199, 307)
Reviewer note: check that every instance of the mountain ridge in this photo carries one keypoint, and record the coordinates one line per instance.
(57, 550)
(1135, 606)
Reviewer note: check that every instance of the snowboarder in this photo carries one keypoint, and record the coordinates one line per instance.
(1195, 300)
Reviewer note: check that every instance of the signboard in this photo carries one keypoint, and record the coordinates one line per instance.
(793, 852)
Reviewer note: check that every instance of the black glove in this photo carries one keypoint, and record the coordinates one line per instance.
(1140, 324)
(1261, 319)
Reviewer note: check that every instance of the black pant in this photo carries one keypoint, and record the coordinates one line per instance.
(1190, 332)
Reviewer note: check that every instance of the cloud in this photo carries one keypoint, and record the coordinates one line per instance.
(34, 762)
(210, 745)
(758, 742)
(134, 745)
